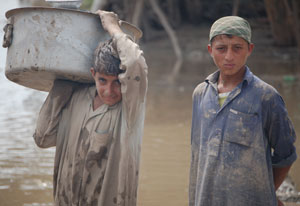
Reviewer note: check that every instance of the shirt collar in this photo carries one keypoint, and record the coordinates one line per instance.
(248, 75)
(213, 78)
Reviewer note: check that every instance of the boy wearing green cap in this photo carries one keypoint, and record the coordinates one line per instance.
(242, 139)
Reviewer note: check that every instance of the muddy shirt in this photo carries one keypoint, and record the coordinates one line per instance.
(234, 147)
(97, 152)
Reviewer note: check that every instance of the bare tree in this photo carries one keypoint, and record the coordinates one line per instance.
(235, 9)
(137, 12)
(296, 15)
(193, 9)
(98, 4)
(280, 20)
(173, 38)
(173, 12)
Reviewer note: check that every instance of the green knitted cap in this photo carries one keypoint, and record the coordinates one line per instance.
(231, 25)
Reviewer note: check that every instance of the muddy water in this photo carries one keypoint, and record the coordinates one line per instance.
(166, 144)
(25, 176)
(26, 171)
(165, 151)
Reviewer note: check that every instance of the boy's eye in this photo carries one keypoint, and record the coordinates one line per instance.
(220, 48)
(102, 80)
(117, 82)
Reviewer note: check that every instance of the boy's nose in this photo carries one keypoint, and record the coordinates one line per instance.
(229, 55)
(108, 90)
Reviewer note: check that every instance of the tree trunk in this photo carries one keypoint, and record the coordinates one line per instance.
(136, 17)
(174, 12)
(235, 9)
(296, 15)
(173, 37)
(129, 6)
(296, 6)
(281, 25)
(193, 10)
(98, 4)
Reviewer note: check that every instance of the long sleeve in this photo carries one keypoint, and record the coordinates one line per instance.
(281, 133)
(133, 89)
(50, 113)
(134, 79)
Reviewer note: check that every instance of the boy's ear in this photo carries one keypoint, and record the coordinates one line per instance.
(93, 71)
(251, 47)
(209, 49)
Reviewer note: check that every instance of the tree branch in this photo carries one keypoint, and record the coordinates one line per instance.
(235, 9)
(137, 12)
(98, 4)
(173, 37)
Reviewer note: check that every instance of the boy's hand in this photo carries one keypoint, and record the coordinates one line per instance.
(110, 22)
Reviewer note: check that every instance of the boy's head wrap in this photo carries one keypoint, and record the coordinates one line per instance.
(231, 25)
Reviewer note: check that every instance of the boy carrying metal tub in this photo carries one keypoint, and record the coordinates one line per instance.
(97, 129)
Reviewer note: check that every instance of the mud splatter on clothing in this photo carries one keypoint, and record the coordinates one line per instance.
(235, 146)
(97, 152)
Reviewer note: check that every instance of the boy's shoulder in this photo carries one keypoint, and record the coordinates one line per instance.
(262, 86)
(265, 91)
(199, 89)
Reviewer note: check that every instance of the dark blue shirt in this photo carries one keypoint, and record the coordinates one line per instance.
(235, 146)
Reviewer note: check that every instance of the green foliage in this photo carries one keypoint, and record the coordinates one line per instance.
(86, 4)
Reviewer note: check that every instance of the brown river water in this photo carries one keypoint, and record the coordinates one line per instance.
(26, 170)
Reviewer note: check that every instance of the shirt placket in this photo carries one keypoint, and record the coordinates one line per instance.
(83, 146)
(215, 140)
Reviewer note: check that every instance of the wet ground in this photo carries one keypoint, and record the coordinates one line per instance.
(26, 171)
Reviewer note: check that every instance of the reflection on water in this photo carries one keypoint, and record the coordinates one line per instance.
(165, 149)
(25, 170)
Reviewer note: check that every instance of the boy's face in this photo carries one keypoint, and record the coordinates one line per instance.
(230, 53)
(108, 88)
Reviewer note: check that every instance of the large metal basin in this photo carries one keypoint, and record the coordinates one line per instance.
(50, 43)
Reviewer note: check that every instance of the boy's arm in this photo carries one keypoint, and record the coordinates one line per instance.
(133, 89)
(134, 79)
(281, 134)
(50, 113)
(279, 175)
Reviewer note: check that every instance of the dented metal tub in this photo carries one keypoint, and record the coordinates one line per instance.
(50, 43)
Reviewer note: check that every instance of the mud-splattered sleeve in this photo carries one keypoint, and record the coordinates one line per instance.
(133, 89)
(195, 141)
(50, 113)
(280, 132)
(134, 80)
